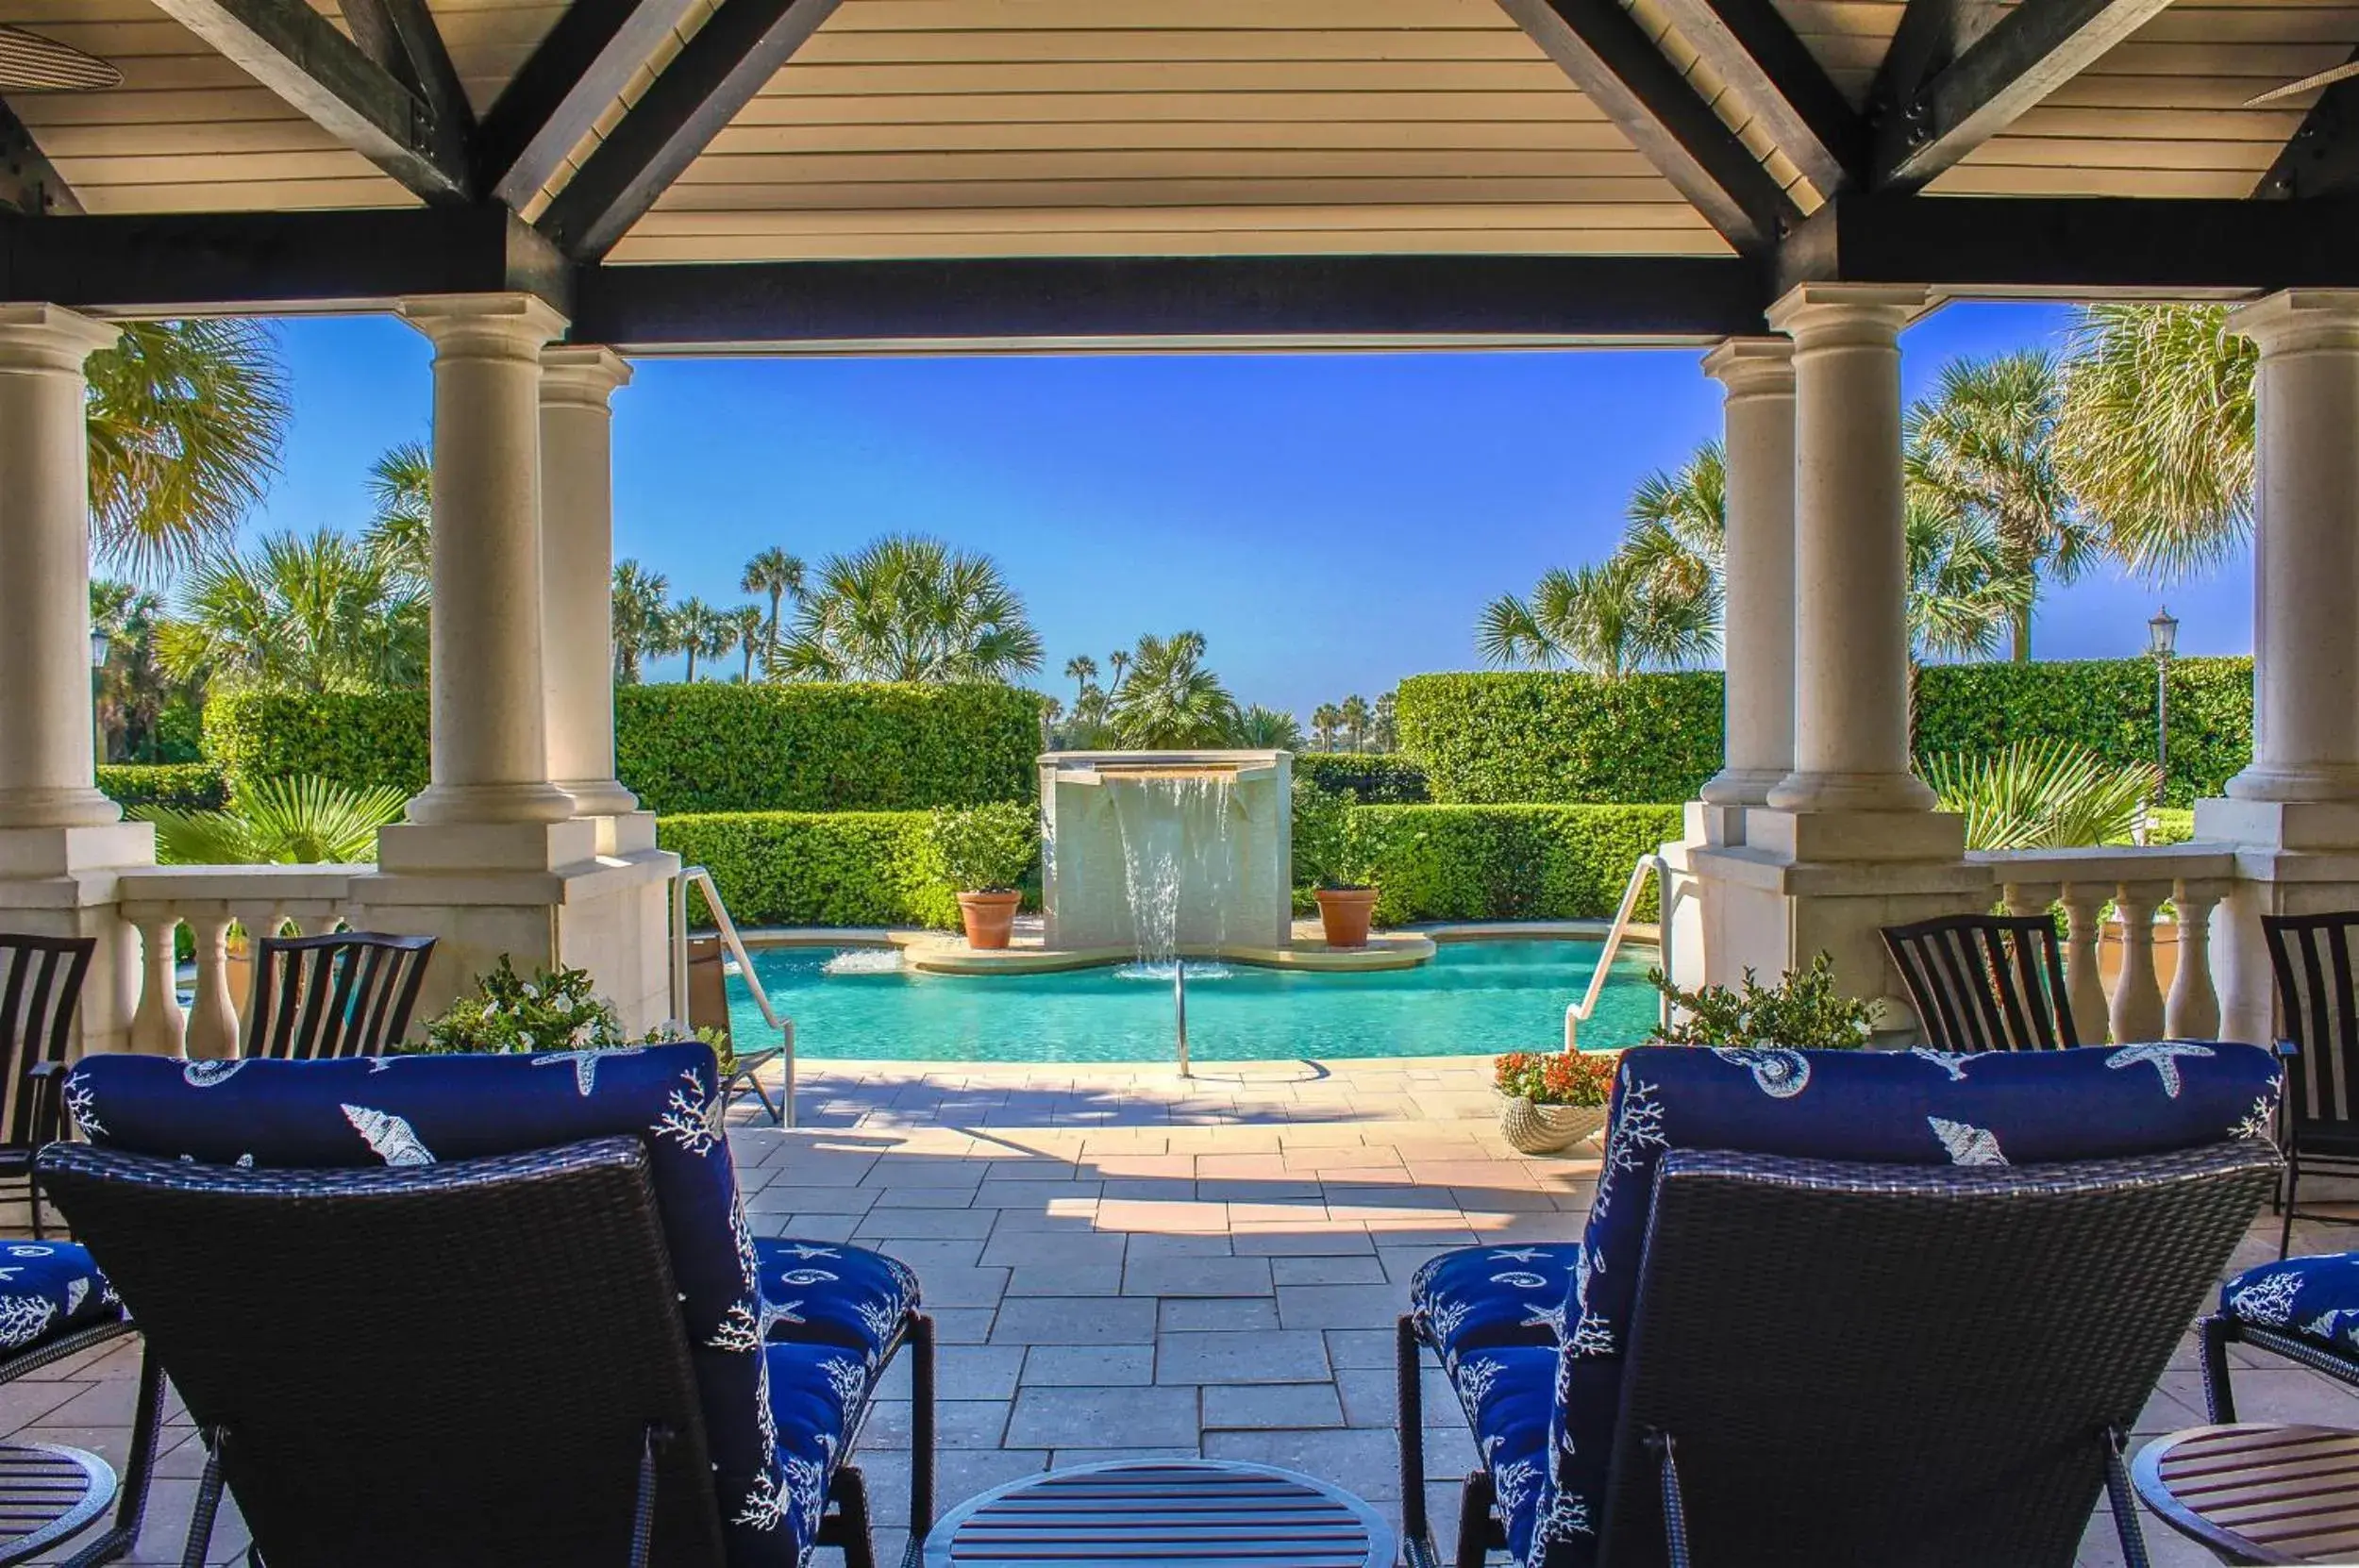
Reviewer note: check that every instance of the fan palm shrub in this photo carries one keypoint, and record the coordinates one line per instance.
(1608, 619)
(1168, 699)
(302, 821)
(642, 619)
(305, 614)
(906, 608)
(2042, 794)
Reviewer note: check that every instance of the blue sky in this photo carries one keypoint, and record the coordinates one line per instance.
(1331, 522)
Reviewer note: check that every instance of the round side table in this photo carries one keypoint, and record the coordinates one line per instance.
(48, 1492)
(1165, 1512)
(2255, 1491)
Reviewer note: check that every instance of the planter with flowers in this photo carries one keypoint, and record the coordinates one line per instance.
(985, 852)
(1551, 1100)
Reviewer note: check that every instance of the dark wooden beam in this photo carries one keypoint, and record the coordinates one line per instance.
(574, 76)
(299, 55)
(259, 262)
(1175, 301)
(1750, 46)
(1931, 34)
(400, 35)
(2084, 246)
(740, 47)
(29, 181)
(2025, 56)
(1610, 58)
(2321, 158)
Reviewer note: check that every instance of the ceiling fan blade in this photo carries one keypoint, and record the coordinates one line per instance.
(31, 63)
(2324, 78)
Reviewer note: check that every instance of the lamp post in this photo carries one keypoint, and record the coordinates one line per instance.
(98, 647)
(2161, 636)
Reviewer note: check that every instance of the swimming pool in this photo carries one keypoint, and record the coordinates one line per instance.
(1476, 998)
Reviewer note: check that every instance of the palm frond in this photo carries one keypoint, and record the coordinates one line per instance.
(2053, 794)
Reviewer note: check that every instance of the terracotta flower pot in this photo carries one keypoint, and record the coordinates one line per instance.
(1343, 915)
(989, 916)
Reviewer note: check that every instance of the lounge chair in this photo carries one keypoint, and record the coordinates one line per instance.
(1845, 1307)
(2304, 1309)
(348, 995)
(1986, 982)
(479, 1309)
(41, 985)
(2317, 998)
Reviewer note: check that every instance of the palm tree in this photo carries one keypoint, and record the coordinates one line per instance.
(186, 422)
(1607, 619)
(1169, 699)
(1963, 591)
(1082, 670)
(309, 614)
(775, 573)
(1983, 448)
(1326, 719)
(1354, 714)
(906, 608)
(132, 687)
(752, 634)
(641, 629)
(2157, 433)
(1383, 730)
(1678, 525)
(1118, 662)
(1261, 728)
(697, 628)
(401, 489)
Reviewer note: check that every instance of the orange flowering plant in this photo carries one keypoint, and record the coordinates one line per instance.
(1558, 1078)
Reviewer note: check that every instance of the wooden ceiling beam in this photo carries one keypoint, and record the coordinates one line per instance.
(400, 35)
(2321, 158)
(29, 183)
(570, 79)
(1752, 46)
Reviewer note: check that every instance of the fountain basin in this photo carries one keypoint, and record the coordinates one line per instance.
(940, 953)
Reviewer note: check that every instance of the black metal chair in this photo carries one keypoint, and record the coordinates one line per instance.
(2318, 996)
(41, 985)
(348, 995)
(1986, 982)
(708, 1009)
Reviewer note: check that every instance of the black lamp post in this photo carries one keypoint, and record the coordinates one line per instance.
(98, 642)
(2161, 636)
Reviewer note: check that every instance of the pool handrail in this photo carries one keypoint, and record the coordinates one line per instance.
(1650, 865)
(702, 879)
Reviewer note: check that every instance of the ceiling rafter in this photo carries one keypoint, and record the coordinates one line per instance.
(1932, 33)
(556, 97)
(737, 51)
(298, 54)
(400, 35)
(1610, 58)
(2021, 58)
(2321, 158)
(1752, 46)
(29, 183)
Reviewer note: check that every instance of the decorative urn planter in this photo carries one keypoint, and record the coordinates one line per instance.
(1546, 1128)
(1344, 914)
(989, 916)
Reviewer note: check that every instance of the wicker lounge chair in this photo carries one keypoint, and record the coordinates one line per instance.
(486, 1309)
(1986, 982)
(1837, 1307)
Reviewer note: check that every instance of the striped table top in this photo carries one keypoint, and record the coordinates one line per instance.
(1167, 1512)
(47, 1492)
(2259, 1492)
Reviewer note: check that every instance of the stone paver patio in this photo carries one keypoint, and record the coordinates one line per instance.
(1123, 1264)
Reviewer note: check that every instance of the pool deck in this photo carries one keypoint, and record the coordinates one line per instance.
(1124, 1262)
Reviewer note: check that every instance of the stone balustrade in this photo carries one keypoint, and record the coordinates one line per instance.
(259, 900)
(2191, 878)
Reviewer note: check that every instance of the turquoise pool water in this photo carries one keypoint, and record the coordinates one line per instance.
(1476, 998)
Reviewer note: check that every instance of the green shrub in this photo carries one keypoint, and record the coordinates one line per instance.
(2104, 703)
(1802, 1009)
(819, 868)
(1320, 822)
(174, 785)
(1370, 779)
(1505, 862)
(2170, 825)
(361, 739)
(987, 849)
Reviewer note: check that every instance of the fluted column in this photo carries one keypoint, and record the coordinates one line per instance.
(576, 574)
(1757, 623)
(491, 757)
(1851, 609)
(46, 778)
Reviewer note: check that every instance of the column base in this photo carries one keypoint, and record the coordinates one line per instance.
(28, 853)
(2267, 823)
(1742, 786)
(462, 850)
(449, 805)
(1852, 792)
(79, 807)
(598, 797)
(1826, 836)
(2298, 785)
(626, 832)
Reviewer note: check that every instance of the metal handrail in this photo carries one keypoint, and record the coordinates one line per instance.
(1578, 1013)
(702, 879)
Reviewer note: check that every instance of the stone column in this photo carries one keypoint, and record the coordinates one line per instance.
(45, 748)
(577, 571)
(1850, 594)
(1757, 625)
(491, 757)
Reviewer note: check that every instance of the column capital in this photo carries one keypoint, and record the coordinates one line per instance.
(1753, 367)
(51, 338)
(1832, 313)
(507, 326)
(2295, 320)
(586, 375)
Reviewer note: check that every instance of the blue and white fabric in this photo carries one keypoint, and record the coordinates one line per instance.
(770, 1478)
(47, 1289)
(1922, 1108)
(1480, 1298)
(826, 1293)
(2309, 1298)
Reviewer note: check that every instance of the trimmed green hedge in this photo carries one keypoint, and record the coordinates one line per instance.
(1371, 778)
(707, 748)
(178, 786)
(1506, 862)
(1549, 736)
(818, 868)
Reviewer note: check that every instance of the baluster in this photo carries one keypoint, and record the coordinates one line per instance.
(2083, 990)
(2027, 899)
(213, 1020)
(158, 1029)
(2193, 1008)
(258, 921)
(2137, 1004)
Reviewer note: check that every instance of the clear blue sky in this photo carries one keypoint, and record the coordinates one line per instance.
(1330, 523)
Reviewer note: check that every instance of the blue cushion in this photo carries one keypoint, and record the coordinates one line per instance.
(2312, 1298)
(1509, 1393)
(417, 1109)
(1921, 1107)
(1478, 1297)
(817, 1395)
(825, 1292)
(47, 1287)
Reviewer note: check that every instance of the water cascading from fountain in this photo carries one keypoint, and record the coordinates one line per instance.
(1162, 856)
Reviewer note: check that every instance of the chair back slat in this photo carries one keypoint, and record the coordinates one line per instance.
(342, 996)
(41, 988)
(401, 1359)
(1986, 982)
(2310, 956)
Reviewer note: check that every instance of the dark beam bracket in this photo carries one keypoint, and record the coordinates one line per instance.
(29, 181)
(2321, 158)
(555, 98)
